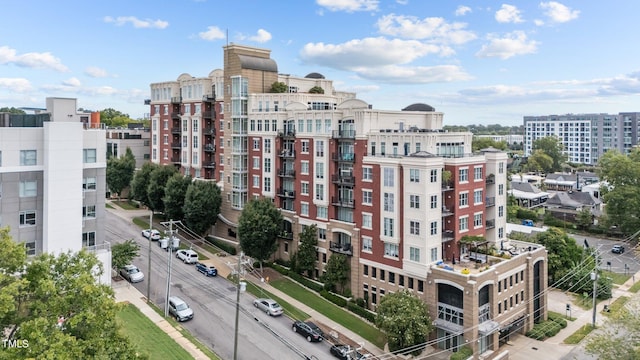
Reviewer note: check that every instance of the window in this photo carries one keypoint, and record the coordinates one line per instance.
(309, 125)
(28, 188)
(267, 184)
(304, 209)
(420, 285)
(267, 146)
(304, 188)
(256, 162)
(381, 275)
(374, 272)
(500, 189)
(89, 239)
(256, 144)
(367, 220)
(463, 175)
(304, 167)
(388, 227)
(388, 177)
(267, 165)
(414, 254)
(367, 174)
(256, 181)
(392, 278)
(463, 199)
(31, 248)
(500, 168)
(319, 170)
(477, 173)
(367, 244)
(365, 270)
(434, 254)
(433, 177)
(305, 146)
(28, 157)
(414, 227)
(433, 227)
(89, 211)
(322, 212)
(401, 280)
(477, 197)
(391, 250)
(464, 223)
(414, 201)
(367, 197)
(414, 175)
(500, 211)
(319, 147)
(27, 218)
(388, 202)
(89, 155)
(319, 192)
(477, 220)
(500, 233)
(322, 234)
(434, 202)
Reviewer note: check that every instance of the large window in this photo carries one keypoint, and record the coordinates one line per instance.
(27, 218)
(414, 201)
(389, 177)
(319, 192)
(388, 227)
(414, 175)
(463, 175)
(414, 227)
(88, 239)
(463, 199)
(367, 197)
(28, 157)
(391, 250)
(389, 202)
(322, 213)
(477, 197)
(367, 244)
(89, 183)
(89, 156)
(28, 188)
(319, 170)
(414, 254)
(89, 211)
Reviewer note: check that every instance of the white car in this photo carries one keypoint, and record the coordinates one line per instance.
(132, 273)
(187, 256)
(155, 234)
(269, 306)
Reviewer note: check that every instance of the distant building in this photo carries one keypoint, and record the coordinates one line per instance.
(585, 137)
(510, 139)
(136, 139)
(52, 180)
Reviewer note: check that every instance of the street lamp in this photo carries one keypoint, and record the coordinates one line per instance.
(149, 265)
(239, 287)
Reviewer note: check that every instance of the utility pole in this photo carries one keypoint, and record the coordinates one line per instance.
(594, 277)
(235, 340)
(149, 266)
(169, 261)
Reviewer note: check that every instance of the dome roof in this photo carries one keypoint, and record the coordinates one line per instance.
(419, 107)
(314, 75)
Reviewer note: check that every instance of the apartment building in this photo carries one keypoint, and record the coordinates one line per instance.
(585, 137)
(52, 166)
(389, 189)
(138, 139)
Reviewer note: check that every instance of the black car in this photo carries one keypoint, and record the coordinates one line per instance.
(346, 352)
(208, 270)
(617, 249)
(309, 330)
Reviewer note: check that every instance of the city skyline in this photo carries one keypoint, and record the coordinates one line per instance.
(478, 63)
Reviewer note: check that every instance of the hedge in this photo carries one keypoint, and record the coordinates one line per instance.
(463, 353)
(354, 308)
(222, 245)
(333, 298)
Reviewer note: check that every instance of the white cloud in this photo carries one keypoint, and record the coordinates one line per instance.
(15, 84)
(72, 82)
(349, 5)
(559, 13)
(137, 23)
(462, 10)
(433, 28)
(512, 44)
(508, 14)
(402, 2)
(261, 37)
(538, 22)
(34, 60)
(212, 33)
(414, 74)
(96, 72)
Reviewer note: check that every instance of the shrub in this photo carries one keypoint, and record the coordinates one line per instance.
(464, 353)
(317, 287)
(526, 214)
(334, 298)
(359, 310)
(558, 319)
(222, 245)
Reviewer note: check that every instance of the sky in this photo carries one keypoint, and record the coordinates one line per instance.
(477, 61)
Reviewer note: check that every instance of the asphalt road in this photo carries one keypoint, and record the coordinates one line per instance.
(618, 263)
(213, 300)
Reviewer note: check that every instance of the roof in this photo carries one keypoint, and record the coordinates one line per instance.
(422, 154)
(258, 63)
(525, 186)
(573, 199)
(314, 75)
(419, 107)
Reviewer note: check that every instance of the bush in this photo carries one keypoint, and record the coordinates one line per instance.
(222, 245)
(364, 313)
(333, 298)
(317, 287)
(360, 302)
(558, 319)
(527, 214)
(463, 353)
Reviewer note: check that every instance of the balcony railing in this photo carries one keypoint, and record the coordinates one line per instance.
(341, 248)
(176, 99)
(209, 131)
(176, 145)
(490, 224)
(176, 159)
(344, 134)
(446, 211)
(346, 157)
(209, 148)
(176, 130)
(286, 173)
(208, 97)
(287, 134)
(286, 193)
(447, 235)
(286, 235)
(209, 165)
(207, 114)
(490, 201)
(287, 154)
(343, 201)
(175, 115)
(447, 185)
(491, 179)
(343, 179)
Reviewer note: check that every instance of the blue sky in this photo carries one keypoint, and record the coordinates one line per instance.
(479, 62)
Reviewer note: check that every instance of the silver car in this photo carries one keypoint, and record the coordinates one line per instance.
(132, 273)
(179, 309)
(269, 306)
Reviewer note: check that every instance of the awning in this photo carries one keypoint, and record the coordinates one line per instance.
(488, 327)
(448, 326)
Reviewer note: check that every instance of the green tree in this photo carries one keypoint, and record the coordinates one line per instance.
(337, 272)
(618, 338)
(316, 90)
(123, 253)
(551, 146)
(584, 219)
(174, 194)
(12, 260)
(539, 161)
(114, 118)
(279, 87)
(12, 110)
(201, 205)
(157, 184)
(307, 252)
(480, 143)
(140, 182)
(563, 252)
(259, 225)
(621, 174)
(405, 319)
(120, 172)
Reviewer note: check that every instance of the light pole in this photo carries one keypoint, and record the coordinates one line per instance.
(239, 288)
(149, 266)
(169, 261)
(594, 277)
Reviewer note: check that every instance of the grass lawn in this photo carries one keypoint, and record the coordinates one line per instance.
(561, 316)
(616, 277)
(616, 306)
(289, 309)
(147, 337)
(580, 334)
(332, 311)
(635, 287)
(125, 205)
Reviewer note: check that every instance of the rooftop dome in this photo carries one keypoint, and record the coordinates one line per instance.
(314, 75)
(419, 107)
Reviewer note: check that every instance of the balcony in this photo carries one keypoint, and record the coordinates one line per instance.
(287, 173)
(176, 145)
(342, 201)
(208, 114)
(176, 160)
(287, 154)
(446, 212)
(344, 248)
(490, 224)
(490, 201)
(289, 194)
(209, 148)
(176, 130)
(176, 99)
(343, 157)
(344, 134)
(208, 98)
(209, 131)
(175, 115)
(209, 165)
(343, 179)
(287, 235)
(448, 185)
(289, 134)
(447, 235)
(491, 179)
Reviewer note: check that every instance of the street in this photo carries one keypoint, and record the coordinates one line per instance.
(618, 263)
(213, 300)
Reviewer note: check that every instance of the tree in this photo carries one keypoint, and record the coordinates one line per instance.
(480, 143)
(405, 319)
(123, 253)
(279, 87)
(140, 182)
(174, 194)
(584, 219)
(316, 90)
(618, 338)
(551, 146)
(201, 205)
(337, 272)
(114, 118)
(157, 184)
(259, 225)
(12, 110)
(563, 252)
(60, 290)
(307, 252)
(120, 172)
(539, 161)
(621, 174)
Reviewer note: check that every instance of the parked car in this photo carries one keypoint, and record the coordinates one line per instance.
(617, 249)
(346, 352)
(208, 270)
(155, 234)
(187, 256)
(131, 273)
(309, 330)
(269, 306)
(179, 309)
